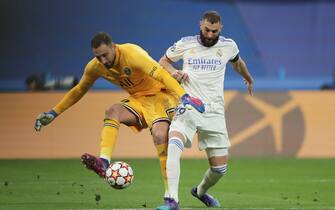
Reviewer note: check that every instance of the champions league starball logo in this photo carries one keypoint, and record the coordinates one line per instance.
(265, 124)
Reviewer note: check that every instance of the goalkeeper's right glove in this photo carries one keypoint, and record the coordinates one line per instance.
(44, 119)
(196, 103)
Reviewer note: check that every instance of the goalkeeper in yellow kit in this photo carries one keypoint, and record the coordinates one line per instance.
(154, 94)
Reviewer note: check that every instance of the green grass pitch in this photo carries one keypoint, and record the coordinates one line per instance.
(250, 183)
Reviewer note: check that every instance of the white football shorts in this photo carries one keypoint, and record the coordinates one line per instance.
(210, 126)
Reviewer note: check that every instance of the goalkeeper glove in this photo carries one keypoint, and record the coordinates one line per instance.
(186, 99)
(44, 119)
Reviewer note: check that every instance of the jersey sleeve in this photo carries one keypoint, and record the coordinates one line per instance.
(176, 51)
(234, 51)
(142, 61)
(78, 91)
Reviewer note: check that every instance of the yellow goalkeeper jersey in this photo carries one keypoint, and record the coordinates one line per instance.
(133, 70)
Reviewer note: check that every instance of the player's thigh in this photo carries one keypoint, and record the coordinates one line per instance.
(135, 106)
(212, 139)
(184, 125)
(122, 114)
(158, 107)
(216, 144)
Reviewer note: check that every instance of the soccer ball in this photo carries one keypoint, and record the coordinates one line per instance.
(119, 175)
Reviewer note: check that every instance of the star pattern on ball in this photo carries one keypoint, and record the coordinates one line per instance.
(115, 174)
(128, 178)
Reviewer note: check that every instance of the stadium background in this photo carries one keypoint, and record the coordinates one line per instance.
(291, 40)
(288, 45)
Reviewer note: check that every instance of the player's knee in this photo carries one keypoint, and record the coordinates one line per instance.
(160, 136)
(112, 112)
(219, 169)
(178, 135)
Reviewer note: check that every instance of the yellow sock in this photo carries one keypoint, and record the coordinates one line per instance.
(108, 138)
(162, 155)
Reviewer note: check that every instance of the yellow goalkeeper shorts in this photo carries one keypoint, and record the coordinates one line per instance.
(150, 109)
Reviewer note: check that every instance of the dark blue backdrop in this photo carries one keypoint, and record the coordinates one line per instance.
(291, 40)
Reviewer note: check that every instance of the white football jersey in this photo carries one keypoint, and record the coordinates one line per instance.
(205, 66)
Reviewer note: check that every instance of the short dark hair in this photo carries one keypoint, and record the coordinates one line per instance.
(212, 16)
(101, 38)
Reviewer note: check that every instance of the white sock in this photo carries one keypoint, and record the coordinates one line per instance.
(211, 177)
(175, 150)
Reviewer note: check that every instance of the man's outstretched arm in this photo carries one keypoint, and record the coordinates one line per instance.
(70, 98)
(240, 66)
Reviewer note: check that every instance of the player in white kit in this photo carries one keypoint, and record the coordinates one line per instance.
(204, 63)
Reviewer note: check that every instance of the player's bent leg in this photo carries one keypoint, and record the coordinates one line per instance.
(159, 133)
(212, 176)
(115, 115)
(122, 114)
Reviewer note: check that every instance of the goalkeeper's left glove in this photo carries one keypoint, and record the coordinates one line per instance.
(196, 103)
(44, 119)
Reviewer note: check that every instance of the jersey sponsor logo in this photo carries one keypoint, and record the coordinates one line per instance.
(196, 61)
(204, 64)
(204, 67)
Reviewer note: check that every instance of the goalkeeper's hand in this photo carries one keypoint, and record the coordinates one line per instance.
(44, 119)
(196, 103)
(180, 76)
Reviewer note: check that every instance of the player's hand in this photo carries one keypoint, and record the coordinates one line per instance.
(250, 86)
(180, 76)
(44, 119)
(196, 103)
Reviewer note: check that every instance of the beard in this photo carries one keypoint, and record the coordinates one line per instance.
(208, 42)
